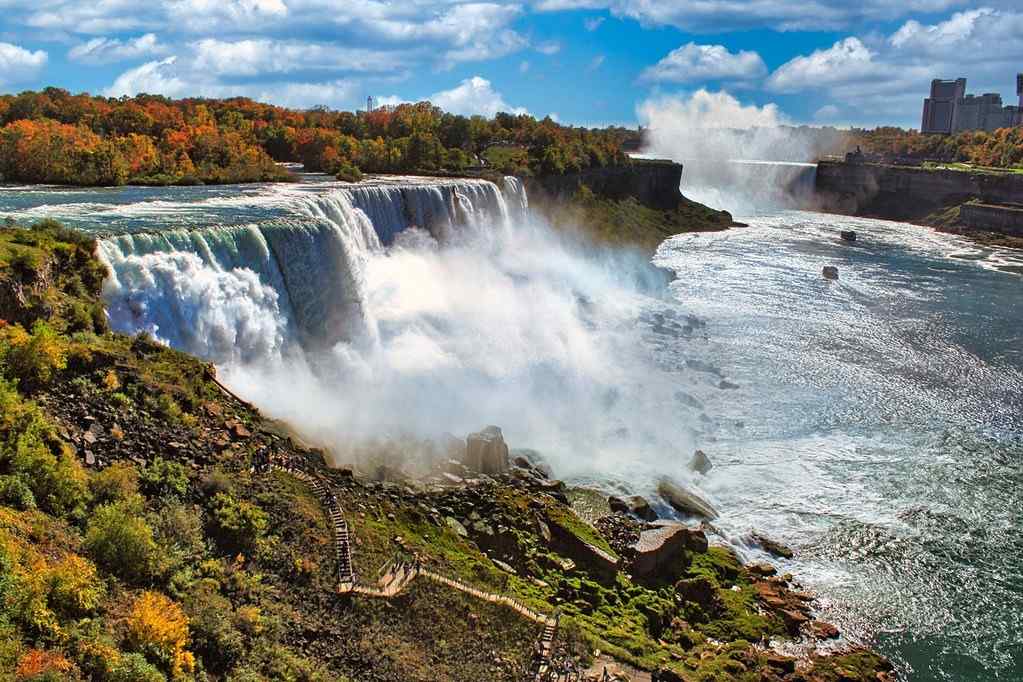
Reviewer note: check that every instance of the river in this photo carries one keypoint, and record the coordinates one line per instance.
(872, 423)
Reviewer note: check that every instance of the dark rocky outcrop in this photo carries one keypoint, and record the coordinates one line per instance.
(653, 183)
(701, 463)
(829, 272)
(486, 452)
(635, 505)
(773, 547)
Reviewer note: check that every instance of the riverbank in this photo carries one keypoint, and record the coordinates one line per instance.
(977, 204)
(138, 514)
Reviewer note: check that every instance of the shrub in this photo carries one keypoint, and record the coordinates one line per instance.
(158, 629)
(349, 173)
(38, 665)
(117, 482)
(165, 406)
(179, 532)
(214, 636)
(93, 649)
(217, 481)
(23, 591)
(111, 381)
(34, 358)
(27, 445)
(121, 541)
(10, 646)
(75, 588)
(15, 492)
(121, 400)
(134, 668)
(164, 478)
(240, 525)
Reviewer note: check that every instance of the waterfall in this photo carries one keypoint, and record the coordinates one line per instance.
(362, 314)
(246, 294)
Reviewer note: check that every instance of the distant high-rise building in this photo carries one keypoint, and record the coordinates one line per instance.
(369, 103)
(950, 110)
(940, 107)
(1019, 91)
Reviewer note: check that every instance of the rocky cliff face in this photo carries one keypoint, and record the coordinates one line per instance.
(907, 193)
(653, 183)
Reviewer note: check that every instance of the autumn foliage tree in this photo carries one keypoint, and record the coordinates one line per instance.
(1001, 148)
(53, 136)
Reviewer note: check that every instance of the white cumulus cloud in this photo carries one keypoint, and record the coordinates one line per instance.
(173, 77)
(109, 50)
(255, 57)
(846, 61)
(693, 63)
(18, 65)
(474, 95)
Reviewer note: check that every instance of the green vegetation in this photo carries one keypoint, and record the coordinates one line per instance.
(1001, 149)
(121, 541)
(630, 223)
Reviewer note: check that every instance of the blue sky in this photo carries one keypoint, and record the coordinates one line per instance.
(588, 62)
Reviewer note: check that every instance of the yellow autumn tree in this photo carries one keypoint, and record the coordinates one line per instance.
(158, 629)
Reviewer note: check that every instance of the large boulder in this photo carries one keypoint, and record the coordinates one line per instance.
(486, 452)
(684, 500)
(635, 505)
(658, 548)
(700, 462)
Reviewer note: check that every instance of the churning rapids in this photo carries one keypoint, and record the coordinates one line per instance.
(877, 426)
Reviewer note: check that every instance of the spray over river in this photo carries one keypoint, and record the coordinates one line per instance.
(876, 427)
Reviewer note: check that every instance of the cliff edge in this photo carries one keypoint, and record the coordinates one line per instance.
(638, 205)
(654, 183)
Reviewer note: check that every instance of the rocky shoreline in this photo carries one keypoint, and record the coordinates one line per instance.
(125, 465)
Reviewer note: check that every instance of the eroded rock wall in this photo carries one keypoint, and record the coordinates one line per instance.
(653, 183)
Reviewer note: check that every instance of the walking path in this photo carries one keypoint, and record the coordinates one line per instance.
(401, 573)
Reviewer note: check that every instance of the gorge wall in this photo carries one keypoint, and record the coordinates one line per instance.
(653, 183)
(1004, 219)
(909, 193)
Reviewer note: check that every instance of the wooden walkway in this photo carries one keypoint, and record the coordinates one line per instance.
(342, 537)
(400, 574)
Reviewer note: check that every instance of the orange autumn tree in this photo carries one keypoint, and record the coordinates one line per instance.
(50, 152)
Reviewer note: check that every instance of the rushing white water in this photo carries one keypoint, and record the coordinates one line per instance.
(241, 293)
(410, 309)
